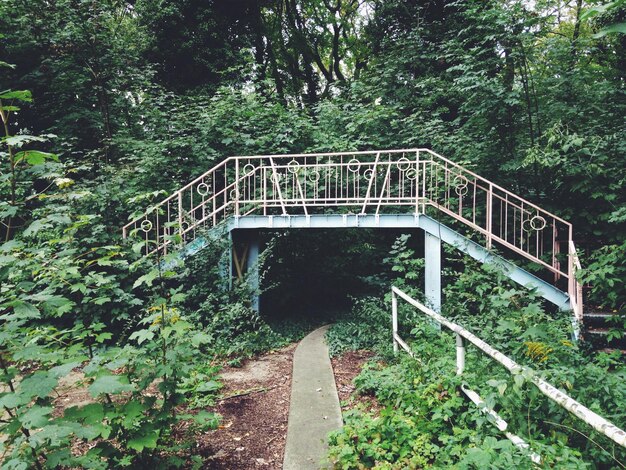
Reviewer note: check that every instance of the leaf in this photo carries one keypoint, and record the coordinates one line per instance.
(90, 432)
(40, 384)
(614, 28)
(24, 310)
(209, 386)
(22, 95)
(58, 302)
(146, 279)
(102, 337)
(59, 459)
(15, 464)
(200, 338)
(207, 420)
(64, 369)
(19, 140)
(536, 332)
(132, 411)
(147, 441)
(36, 417)
(35, 157)
(142, 335)
(89, 420)
(110, 384)
(53, 433)
(7, 210)
(11, 400)
(35, 227)
(88, 414)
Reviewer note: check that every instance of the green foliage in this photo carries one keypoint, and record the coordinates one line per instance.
(407, 268)
(103, 112)
(365, 327)
(606, 271)
(424, 418)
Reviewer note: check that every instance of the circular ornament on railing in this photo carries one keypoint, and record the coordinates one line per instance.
(354, 165)
(184, 226)
(461, 190)
(460, 181)
(248, 168)
(314, 176)
(233, 194)
(411, 174)
(293, 166)
(203, 189)
(403, 164)
(146, 226)
(537, 223)
(369, 174)
(276, 177)
(526, 225)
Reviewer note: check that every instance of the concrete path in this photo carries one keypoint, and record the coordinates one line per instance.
(314, 409)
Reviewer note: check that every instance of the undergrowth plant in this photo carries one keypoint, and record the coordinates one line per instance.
(425, 420)
(81, 314)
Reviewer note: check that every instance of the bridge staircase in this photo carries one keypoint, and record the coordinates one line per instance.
(406, 188)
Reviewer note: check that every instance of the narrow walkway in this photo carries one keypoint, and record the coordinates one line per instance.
(314, 409)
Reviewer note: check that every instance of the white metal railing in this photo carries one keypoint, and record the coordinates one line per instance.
(414, 181)
(594, 420)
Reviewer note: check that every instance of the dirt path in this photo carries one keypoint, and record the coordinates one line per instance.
(254, 410)
(254, 419)
(346, 367)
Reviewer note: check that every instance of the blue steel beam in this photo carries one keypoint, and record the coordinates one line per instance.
(511, 270)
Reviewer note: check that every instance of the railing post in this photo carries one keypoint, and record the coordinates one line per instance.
(394, 320)
(460, 354)
(253, 269)
(489, 215)
(237, 187)
(417, 182)
(180, 215)
(264, 176)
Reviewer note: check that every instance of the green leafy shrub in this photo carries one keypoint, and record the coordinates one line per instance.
(421, 397)
(605, 271)
(365, 327)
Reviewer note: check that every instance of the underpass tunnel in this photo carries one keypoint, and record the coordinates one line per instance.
(315, 273)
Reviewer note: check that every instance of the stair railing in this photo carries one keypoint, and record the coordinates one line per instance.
(463, 336)
(372, 182)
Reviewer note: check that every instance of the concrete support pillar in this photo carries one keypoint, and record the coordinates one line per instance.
(253, 270)
(225, 264)
(432, 287)
(229, 271)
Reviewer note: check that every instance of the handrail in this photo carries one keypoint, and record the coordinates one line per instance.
(366, 152)
(406, 150)
(364, 181)
(494, 185)
(594, 420)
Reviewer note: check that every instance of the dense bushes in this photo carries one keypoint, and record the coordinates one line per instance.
(426, 421)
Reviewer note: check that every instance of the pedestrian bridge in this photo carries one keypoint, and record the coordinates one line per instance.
(407, 188)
